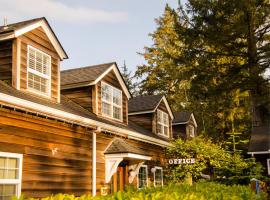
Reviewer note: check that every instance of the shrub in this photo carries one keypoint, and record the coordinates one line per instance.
(199, 191)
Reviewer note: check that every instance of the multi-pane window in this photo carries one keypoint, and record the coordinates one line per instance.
(38, 71)
(111, 101)
(162, 123)
(10, 175)
(142, 176)
(158, 176)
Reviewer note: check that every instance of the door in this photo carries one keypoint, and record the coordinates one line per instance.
(120, 178)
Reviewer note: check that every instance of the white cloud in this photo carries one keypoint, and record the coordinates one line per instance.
(54, 10)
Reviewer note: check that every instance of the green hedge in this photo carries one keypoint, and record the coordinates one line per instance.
(199, 191)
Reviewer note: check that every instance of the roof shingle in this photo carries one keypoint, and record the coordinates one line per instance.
(120, 146)
(143, 103)
(18, 25)
(181, 117)
(260, 139)
(69, 106)
(83, 74)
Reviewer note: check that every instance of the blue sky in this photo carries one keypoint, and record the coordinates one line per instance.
(94, 31)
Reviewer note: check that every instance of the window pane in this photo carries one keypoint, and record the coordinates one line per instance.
(166, 130)
(2, 162)
(7, 191)
(106, 93)
(142, 177)
(11, 174)
(159, 128)
(12, 163)
(40, 63)
(117, 97)
(159, 116)
(106, 109)
(165, 118)
(158, 177)
(37, 83)
(2, 173)
(116, 112)
(46, 64)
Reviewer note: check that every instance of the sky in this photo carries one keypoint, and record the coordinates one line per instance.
(94, 31)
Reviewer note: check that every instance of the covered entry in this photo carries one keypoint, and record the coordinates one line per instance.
(122, 163)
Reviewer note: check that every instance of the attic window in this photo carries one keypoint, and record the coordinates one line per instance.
(162, 123)
(38, 71)
(111, 101)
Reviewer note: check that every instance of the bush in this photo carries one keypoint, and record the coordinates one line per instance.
(201, 190)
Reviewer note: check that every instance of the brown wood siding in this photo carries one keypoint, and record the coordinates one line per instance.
(82, 96)
(68, 171)
(144, 120)
(38, 39)
(111, 79)
(103, 140)
(6, 61)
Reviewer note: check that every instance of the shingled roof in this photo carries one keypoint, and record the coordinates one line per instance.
(120, 146)
(143, 103)
(11, 31)
(71, 107)
(18, 25)
(181, 117)
(83, 74)
(260, 139)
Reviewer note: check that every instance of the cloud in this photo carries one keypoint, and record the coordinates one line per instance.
(54, 10)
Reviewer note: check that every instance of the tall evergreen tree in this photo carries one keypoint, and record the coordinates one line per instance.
(132, 86)
(220, 50)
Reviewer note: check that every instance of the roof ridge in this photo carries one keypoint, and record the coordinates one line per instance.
(86, 67)
(152, 95)
(25, 21)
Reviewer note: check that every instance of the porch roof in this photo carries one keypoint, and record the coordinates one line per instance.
(119, 146)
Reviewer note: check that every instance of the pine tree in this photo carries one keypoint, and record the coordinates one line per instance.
(209, 56)
(132, 86)
(165, 65)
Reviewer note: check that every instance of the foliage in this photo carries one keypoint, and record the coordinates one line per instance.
(210, 158)
(201, 190)
(210, 57)
(131, 85)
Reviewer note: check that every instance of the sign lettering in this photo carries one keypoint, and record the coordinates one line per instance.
(180, 161)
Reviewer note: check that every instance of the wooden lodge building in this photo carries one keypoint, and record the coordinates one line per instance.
(74, 131)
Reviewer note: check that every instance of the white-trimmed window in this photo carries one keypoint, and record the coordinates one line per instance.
(111, 98)
(143, 177)
(10, 175)
(162, 123)
(191, 130)
(38, 71)
(158, 176)
(268, 166)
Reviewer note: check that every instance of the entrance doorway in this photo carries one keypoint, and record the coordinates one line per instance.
(120, 177)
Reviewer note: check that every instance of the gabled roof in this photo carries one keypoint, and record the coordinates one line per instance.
(183, 118)
(120, 146)
(15, 30)
(90, 75)
(147, 104)
(71, 112)
(260, 140)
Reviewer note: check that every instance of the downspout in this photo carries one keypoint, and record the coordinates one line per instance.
(94, 161)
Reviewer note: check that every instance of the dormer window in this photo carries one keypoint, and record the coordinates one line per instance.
(162, 123)
(38, 71)
(111, 98)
